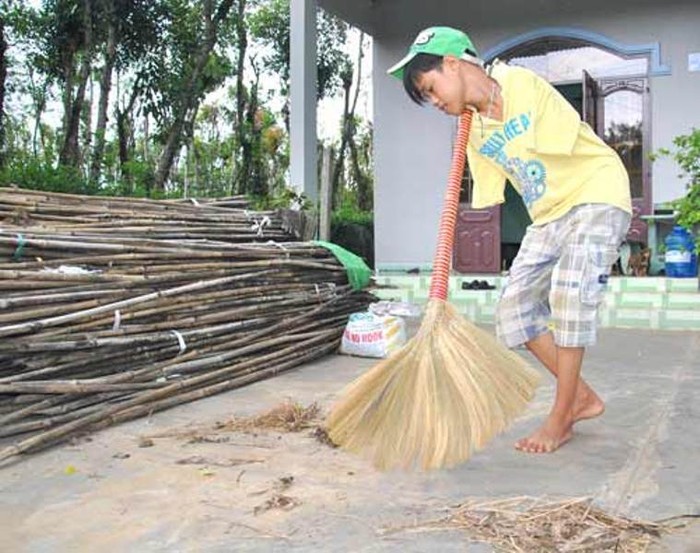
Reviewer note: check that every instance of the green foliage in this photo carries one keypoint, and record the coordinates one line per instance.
(166, 64)
(687, 155)
(137, 180)
(354, 230)
(156, 44)
(39, 175)
(284, 198)
(348, 213)
(270, 24)
(331, 37)
(618, 133)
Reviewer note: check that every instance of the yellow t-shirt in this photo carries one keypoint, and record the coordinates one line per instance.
(553, 159)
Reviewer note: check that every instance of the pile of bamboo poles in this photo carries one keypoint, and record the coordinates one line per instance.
(96, 330)
(225, 219)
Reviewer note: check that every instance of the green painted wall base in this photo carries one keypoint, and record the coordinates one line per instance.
(649, 303)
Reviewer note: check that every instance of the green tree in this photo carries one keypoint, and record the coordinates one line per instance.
(203, 72)
(687, 155)
(335, 72)
(362, 166)
(71, 23)
(151, 64)
(270, 25)
(111, 20)
(243, 97)
(31, 78)
(58, 36)
(139, 66)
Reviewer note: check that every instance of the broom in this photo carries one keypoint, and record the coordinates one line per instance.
(449, 390)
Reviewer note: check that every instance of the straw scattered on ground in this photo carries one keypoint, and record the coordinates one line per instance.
(277, 501)
(286, 417)
(321, 435)
(527, 524)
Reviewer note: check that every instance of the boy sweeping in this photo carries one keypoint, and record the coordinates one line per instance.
(576, 191)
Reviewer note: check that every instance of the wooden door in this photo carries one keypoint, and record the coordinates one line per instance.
(591, 108)
(478, 240)
(620, 112)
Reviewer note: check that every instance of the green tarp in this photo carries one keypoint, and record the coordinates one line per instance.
(359, 273)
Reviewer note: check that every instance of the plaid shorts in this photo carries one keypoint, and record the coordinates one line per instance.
(559, 276)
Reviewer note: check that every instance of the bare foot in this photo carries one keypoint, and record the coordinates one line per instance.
(588, 405)
(553, 434)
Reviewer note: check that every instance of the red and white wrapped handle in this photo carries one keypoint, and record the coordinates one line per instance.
(448, 220)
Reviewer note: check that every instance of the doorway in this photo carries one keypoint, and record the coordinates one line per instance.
(610, 92)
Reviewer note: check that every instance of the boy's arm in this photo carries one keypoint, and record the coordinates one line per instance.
(489, 184)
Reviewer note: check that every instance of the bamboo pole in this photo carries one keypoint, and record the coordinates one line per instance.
(144, 400)
(52, 321)
(180, 299)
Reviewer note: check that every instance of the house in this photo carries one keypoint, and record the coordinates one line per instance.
(630, 67)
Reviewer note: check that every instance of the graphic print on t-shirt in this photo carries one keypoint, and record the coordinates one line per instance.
(531, 176)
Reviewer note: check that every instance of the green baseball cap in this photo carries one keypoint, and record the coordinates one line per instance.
(439, 41)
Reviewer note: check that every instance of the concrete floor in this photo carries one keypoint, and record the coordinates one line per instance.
(106, 493)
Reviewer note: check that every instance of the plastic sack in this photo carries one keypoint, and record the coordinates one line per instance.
(370, 335)
(399, 308)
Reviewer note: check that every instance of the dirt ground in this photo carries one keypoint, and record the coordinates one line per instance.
(184, 480)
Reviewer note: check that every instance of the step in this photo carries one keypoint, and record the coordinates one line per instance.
(645, 303)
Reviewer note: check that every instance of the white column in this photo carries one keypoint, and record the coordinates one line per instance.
(303, 97)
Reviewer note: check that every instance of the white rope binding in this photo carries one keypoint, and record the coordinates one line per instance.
(117, 320)
(180, 341)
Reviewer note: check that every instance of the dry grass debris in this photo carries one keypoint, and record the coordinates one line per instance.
(527, 524)
(321, 435)
(287, 417)
(277, 501)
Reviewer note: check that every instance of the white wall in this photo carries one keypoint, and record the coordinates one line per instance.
(412, 162)
(675, 99)
(411, 179)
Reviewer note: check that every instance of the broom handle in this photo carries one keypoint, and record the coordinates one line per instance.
(448, 220)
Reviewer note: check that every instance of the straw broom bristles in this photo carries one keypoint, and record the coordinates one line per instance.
(445, 394)
(450, 390)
